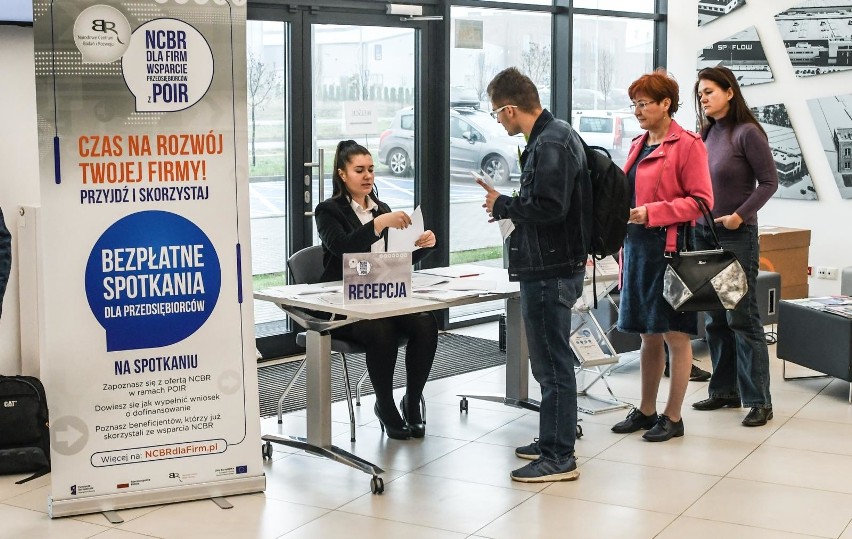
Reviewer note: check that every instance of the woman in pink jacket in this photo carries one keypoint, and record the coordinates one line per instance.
(666, 166)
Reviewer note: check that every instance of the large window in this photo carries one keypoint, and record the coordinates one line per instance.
(608, 54)
(637, 6)
(482, 43)
(582, 59)
(268, 157)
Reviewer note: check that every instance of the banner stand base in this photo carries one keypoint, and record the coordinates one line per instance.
(160, 496)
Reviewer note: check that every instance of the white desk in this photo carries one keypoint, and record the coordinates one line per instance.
(318, 351)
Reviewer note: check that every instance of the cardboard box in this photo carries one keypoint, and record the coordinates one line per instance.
(785, 251)
(794, 292)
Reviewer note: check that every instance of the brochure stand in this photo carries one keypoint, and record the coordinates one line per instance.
(596, 355)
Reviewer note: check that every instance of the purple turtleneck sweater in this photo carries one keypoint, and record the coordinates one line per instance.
(742, 169)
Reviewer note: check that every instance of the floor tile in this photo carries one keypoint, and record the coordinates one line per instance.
(481, 463)
(318, 482)
(520, 431)
(847, 534)
(796, 467)
(639, 487)
(438, 502)
(401, 455)
(34, 500)
(445, 420)
(252, 517)
(777, 381)
(8, 488)
(827, 408)
(726, 423)
(547, 517)
(689, 453)
(19, 523)
(821, 436)
(126, 514)
(120, 534)
(350, 526)
(775, 507)
(696, 528)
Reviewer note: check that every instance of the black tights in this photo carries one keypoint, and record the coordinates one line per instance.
(381, 339)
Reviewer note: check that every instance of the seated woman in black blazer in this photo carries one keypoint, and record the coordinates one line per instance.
(353, 220)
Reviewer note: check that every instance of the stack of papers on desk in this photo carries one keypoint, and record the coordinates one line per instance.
(451, 289)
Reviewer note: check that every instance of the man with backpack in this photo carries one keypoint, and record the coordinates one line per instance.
(547, 255)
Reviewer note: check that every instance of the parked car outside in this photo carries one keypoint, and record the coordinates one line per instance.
(602, 128)
(586, 99)
(477, 141)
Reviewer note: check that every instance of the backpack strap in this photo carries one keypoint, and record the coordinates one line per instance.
(36, 475)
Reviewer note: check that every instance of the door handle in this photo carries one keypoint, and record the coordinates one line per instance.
(320, 165)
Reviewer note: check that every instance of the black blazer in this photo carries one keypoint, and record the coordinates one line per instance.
(341, 232)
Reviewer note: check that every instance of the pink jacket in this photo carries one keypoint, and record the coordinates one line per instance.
(667, 177)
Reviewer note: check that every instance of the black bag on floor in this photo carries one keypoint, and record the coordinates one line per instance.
(24, 433)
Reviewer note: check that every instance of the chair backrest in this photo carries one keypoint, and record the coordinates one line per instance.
(306, 265)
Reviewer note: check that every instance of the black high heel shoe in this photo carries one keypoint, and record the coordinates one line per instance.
(418, 430)
(397, 433)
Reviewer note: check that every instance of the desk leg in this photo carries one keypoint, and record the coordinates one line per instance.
(318, 388)
(318, 410)
(517, 364)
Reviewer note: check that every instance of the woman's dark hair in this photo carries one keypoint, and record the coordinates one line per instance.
(739, 112)
(346, 150)
(658, 86)
(511, 87)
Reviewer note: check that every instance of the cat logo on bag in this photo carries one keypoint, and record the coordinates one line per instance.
(9, 404)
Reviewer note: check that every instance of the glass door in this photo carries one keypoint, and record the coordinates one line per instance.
(363, 89)
(315, 78)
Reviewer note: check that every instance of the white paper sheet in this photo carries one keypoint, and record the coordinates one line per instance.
(506, 225)
(400, 240)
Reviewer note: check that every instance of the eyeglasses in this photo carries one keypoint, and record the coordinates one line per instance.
(496, 112)
(640, 105)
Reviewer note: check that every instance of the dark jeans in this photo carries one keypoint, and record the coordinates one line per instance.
(381, 338)
(735, 338)
(546, 309)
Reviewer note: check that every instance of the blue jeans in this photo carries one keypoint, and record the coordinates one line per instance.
(546, 307)
(735, 338)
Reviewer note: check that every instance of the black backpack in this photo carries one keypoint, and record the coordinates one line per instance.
(24, 432)
(610, 202)
(610, 207)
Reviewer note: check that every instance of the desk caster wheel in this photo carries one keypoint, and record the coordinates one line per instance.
(579, 432)
(377, 485)
(266, 450)
(463, 405)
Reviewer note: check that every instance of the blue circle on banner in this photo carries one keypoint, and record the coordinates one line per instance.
(152, 279)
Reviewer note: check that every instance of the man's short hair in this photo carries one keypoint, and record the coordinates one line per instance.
(511, 87)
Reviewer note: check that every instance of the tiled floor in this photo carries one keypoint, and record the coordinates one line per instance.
(790, 479)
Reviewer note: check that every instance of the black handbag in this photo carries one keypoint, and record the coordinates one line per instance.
(711, 280)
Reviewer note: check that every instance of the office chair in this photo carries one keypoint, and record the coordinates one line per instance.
(305, 267)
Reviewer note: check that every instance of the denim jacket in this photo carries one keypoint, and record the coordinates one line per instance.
(552, 212)
(5, 258)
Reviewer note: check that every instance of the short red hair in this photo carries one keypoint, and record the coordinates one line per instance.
(658, 86)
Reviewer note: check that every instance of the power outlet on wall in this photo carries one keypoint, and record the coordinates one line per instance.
(825, 272)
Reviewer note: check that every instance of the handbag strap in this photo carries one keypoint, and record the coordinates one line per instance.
(708, 218)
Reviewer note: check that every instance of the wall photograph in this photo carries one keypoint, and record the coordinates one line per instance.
(833, 119)
(794, 180)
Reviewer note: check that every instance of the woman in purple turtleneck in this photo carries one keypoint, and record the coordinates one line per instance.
(744, 178)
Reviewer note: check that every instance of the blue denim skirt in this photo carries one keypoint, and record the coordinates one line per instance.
(642, 308)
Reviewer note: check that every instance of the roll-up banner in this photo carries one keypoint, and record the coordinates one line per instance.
(147, 334)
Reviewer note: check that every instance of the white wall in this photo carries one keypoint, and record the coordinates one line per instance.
(18, 167)
(830, 217)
